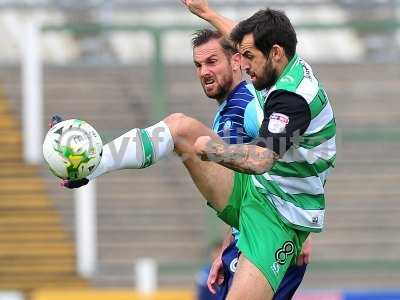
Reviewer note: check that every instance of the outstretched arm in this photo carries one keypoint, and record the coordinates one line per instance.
(244, 158)
(286, 117)
(201, 9)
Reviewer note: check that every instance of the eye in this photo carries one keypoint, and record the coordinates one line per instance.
(248, 55)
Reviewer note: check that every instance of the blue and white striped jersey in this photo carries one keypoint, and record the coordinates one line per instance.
(236, 120)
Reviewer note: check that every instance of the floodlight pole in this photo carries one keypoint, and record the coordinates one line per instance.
(32, 103)
(32, 125)
(86, 229)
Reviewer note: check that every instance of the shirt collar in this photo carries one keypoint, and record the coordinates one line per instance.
(289, 66)
(236, 89)
(233, 92)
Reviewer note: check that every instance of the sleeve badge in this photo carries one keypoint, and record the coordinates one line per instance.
(277, 123)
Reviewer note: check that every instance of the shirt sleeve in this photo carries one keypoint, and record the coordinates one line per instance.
(286, 117)
(251, 124)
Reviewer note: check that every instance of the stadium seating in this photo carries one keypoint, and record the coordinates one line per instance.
(35, 250)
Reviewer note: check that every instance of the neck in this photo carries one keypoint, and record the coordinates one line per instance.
(233, 86)
(220, 101)
(282, 65)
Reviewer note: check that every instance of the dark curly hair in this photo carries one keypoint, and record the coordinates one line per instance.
(269, 27)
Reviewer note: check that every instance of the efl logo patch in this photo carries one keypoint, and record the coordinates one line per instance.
(277, 123)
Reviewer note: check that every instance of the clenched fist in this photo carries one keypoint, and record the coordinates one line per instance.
(198, 7)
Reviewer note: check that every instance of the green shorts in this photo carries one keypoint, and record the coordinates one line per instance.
(265, 240)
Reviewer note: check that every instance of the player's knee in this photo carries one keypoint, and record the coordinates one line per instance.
(174, 120)
(175, 117)
(177, 124)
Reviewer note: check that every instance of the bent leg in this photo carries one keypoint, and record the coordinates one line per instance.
(213, 181)
(141, 148)
(249, 283)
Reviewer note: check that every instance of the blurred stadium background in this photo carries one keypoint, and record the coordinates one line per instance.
(123, 64)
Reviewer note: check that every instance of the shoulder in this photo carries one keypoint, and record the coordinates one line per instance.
(241, 95)
(286, 100)
(253, 110)
(253, 118)
(289, 106)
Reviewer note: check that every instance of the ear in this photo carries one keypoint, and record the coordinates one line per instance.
(236, 61)
(277, 52)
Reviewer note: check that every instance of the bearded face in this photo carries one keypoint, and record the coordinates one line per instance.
(217, 85)
(213, 69)
(259, 66)
(266, 77)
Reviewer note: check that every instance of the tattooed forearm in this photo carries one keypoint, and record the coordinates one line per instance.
(249, 159)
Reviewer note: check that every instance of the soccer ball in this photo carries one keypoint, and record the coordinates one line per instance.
(72, 149)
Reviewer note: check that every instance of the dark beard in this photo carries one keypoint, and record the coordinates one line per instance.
(268, 79)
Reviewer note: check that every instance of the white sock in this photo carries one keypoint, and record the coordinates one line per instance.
(136, 149)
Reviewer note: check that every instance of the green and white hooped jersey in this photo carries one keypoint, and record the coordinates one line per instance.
(295, 184)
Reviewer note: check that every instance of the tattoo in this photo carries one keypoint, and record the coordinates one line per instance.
(244, 158)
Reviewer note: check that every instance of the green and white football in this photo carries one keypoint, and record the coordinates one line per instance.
(72, 149)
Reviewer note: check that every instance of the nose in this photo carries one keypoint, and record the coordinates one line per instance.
(204, 70)
(245, 64)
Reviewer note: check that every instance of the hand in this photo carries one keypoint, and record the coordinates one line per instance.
(197, 7)
(216, 275)
(202, 145)
(304, 257)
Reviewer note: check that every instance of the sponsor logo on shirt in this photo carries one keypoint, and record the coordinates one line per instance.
(227, 125)
(278, 122)
(275, 268)
(233, 265)
(307, 71)
(281, 256)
